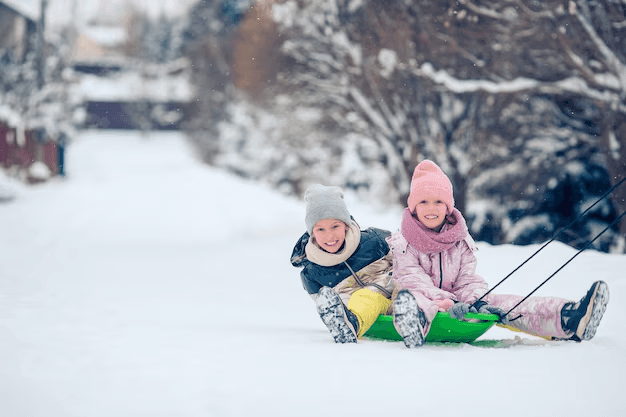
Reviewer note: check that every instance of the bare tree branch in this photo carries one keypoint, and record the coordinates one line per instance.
(572, 85)
(611, 60)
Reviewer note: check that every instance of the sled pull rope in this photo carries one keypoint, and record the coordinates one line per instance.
(554, 237)
(563, 266)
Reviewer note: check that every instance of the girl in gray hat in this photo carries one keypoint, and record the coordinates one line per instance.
(346, 270)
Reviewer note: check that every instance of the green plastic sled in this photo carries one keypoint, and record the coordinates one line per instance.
(443, 328)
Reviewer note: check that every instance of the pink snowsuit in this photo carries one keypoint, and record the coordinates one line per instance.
(450, 274)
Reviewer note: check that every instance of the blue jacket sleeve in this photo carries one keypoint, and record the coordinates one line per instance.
(311, 287)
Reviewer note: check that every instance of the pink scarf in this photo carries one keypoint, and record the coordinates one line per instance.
(428, 241)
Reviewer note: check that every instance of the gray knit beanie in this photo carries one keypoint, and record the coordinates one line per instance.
(324, 202)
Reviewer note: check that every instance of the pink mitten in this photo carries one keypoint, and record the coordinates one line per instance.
(444, 305)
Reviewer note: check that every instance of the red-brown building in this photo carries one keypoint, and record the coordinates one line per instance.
(29, 154)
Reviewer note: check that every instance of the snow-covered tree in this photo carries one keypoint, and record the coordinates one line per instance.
(210, 27)
(520, 102)
(49, 107)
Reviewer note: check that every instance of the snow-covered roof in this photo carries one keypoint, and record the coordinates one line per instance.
(28, 8)
(99, 44)
(132, 86)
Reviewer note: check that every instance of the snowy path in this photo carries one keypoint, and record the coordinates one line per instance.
(147, 284)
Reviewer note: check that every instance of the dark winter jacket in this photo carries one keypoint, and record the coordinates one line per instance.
(371, 262)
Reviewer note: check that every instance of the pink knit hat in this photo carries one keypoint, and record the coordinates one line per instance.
(429, 180)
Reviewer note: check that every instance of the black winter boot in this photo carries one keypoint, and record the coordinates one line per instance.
(408, 319)
(341, 322)
(582, 318)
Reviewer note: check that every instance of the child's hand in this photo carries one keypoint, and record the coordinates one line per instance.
(487, 309)
(459, 310)
(444, 305)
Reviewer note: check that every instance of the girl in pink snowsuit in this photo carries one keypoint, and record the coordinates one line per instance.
(434, 267)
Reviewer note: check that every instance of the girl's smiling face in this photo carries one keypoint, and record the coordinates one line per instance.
(330, 234)
(431, 212)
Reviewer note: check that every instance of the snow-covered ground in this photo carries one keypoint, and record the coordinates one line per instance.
(147, 284)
